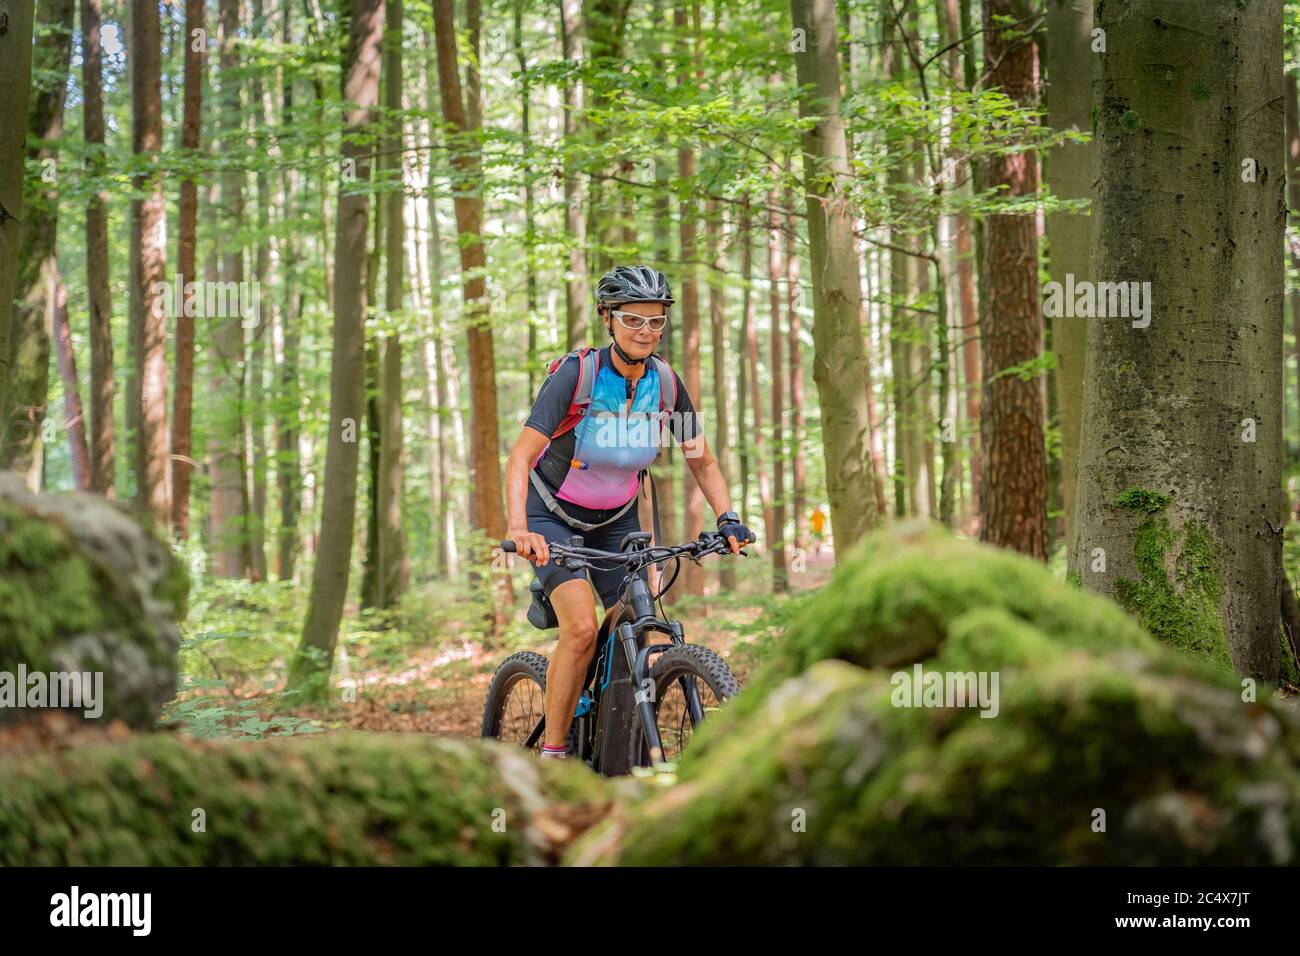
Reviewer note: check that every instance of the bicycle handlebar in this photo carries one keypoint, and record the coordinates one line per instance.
(576, 556)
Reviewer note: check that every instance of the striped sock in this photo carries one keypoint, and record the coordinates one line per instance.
(560, 752)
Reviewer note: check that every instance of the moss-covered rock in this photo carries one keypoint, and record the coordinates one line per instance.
(351, 799)
(1103, 747)
(85, 588)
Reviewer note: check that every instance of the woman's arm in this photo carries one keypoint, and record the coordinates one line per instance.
(708, 476)
(527, 447)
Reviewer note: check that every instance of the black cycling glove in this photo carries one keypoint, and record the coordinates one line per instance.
(732, 527)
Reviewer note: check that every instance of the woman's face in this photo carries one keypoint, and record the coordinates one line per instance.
(639, 343)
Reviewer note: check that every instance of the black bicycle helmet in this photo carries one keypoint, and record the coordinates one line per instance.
(633, 284)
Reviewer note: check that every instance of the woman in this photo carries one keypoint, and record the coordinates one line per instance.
(568, 476)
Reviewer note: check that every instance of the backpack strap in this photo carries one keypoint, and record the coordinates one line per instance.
(667, 383)
(589, 367)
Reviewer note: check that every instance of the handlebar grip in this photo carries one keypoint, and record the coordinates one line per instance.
(508, 546)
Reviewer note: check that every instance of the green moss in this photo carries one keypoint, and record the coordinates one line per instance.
(1182, 611)
(1131, 121)
(352, 799)
(1201, 90)
(1142, 500)
(1074, 579)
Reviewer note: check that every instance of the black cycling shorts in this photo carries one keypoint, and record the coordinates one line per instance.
(542, 521)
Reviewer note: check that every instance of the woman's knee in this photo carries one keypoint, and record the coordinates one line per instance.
(576, 614)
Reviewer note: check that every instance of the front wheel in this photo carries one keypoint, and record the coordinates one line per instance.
(675, 671)
(516, 700)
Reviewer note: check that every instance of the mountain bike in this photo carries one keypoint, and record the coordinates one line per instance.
(640, 701)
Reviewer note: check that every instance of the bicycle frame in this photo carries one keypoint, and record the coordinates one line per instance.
(618, 702)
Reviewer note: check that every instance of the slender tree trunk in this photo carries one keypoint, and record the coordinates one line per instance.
(255, 420)
(486, 512)
(1013, 500)
(21, 444)
(225, 435)
(775, 274)
(575, 220)
(530, 275)
(692, 497)
(1292, 110)
(718, 329)
(330, 576)
(73, 413)
(183, 394)
(288, 469)
(798, 463)
(153, 458)
(742, 351)
(839, 366)
(1070, 65)
(393, 569)
(1182, 416)
(101, 305)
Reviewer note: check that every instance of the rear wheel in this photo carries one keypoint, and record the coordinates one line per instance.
(676, 670)
(516, 702)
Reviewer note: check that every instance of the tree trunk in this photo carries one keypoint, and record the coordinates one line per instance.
(1013, 500)
(153, 457)
(15, 87)
(183, 396)
(330, 577)
(1292, 109)
(255, 420)
(689, 310)
(21, 445)
(225, 434)
(1070, 65)
(486, 512)
(1182, 417)
(718, 329)
(839, 365)
(775, 274)
(392, 547)
(73, 413)
(100, 301)
(742, 352)
(798, 463)
(575, 220)
(288, 467)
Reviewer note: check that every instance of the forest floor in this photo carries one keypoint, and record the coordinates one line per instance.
(430, 674)
(441, 690)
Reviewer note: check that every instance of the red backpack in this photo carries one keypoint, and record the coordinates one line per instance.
(589, 358)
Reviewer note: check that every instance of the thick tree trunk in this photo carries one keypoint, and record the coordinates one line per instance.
(73, 414)
(330, 578)
(1182, 417)
(1013, 498)
(28, 355)
(486, 512)
(225, 433)
(839, 365)
(575, 220)
(102, 462)
(153, 458)
(1070, 65)
(15, 88)
(183, 395)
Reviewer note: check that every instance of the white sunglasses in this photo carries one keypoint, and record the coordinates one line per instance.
(634, 322)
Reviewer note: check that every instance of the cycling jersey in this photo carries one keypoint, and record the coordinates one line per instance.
(596, 464)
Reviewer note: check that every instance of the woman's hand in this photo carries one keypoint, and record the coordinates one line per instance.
(529, 545)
